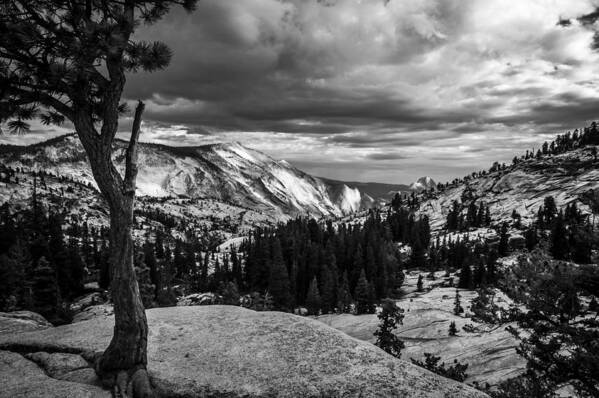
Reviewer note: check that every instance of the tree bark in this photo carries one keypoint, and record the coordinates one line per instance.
(123, 365)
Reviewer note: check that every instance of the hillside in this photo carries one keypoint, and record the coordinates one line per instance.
(521, 187)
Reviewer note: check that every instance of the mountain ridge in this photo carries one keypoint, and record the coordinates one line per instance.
(229, 172)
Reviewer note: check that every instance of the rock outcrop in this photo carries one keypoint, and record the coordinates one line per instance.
(22, 321)
(22, 378)
(489, 350)
(233, 352)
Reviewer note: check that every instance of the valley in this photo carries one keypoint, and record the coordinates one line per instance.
(224, 224)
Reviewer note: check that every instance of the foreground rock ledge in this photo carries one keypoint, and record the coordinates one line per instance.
(229, 351)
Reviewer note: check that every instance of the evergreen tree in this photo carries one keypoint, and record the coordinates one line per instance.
(418, 256)
(46, 296)
(344, 298)
(419, 284)
(327, 289)
(313, 301)
(504, 246)
(549, 210)
(491, 273)
(559, 346)
(457, 305)
(146, 289)
(456, 372)
(278, 283)
(390, 316)
(76, 271)
(230, 293)
(558, 239)
(465, 276)
(582, 244)
(452, 329)
(480, 274)
(364, 304)
(531, 237)
(68, 61)
(15, 289)
(150, 260)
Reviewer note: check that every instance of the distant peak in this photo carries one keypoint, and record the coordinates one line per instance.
(423, 183)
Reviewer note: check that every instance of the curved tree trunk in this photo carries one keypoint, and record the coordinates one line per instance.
(128, 347)
(123, 364)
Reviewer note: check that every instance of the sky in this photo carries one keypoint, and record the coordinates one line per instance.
(371, 90)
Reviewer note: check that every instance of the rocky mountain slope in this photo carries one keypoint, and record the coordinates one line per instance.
(220, 351)
(228, 173)
(521, 187)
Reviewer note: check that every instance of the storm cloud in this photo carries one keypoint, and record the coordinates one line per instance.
(372, 90)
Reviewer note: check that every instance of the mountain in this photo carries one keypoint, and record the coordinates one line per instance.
(229, 173)
(423, 184)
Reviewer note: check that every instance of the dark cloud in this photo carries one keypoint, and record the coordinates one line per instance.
(385, 156)
(381, 90)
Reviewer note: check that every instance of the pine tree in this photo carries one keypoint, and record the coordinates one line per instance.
(76, 270)
(230, 293)
(390, 316)
(465, 276)
(83, 52)
(419, 284)
(480, 274)
(457, 305)
(344, 298)
(582, 244)
(15, 289)
(504, 246)
(549, 210)
(278, 283)
(531, 237)
(364, 303)
(146, 289)
(491, 274)
(452, 329)
(46, 296)
(313, 301)
(150, 261)
(418, 256)
(558, 239)
(327, 289)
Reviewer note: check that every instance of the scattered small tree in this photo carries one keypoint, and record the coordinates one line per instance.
(456, 372)
(452, 329)
(420, 284)
(390, 316)
(457, 305)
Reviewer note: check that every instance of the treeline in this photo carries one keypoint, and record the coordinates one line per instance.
(580, 138)
(10, 175)
(474, 217)
(40, 270)
(571, 235)
(564, 143)
(323, 267)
